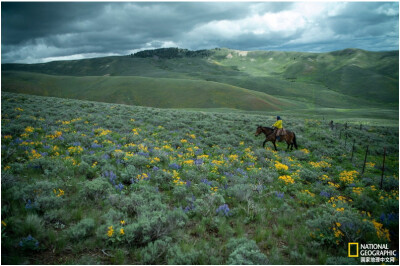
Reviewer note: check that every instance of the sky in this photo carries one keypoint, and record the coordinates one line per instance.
(35, 32)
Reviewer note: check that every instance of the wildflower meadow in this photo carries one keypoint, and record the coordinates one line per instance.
(97, 183)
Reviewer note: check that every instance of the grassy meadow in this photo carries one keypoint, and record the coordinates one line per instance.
(102, 183)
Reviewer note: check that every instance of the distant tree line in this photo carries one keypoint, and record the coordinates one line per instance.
(172, 53)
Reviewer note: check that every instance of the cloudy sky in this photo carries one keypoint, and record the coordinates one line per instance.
(41, 31)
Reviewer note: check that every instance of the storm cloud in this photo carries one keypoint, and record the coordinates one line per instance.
(44, 31)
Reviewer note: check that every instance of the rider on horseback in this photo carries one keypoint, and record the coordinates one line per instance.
(279, 130)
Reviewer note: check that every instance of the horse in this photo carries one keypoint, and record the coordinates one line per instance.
(290, 137)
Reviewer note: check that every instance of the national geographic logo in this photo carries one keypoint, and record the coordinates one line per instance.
(374, 253)
(353, 250)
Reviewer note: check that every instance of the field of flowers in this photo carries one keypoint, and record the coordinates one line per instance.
(96, 183)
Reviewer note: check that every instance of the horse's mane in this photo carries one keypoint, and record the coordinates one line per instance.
(267, 128)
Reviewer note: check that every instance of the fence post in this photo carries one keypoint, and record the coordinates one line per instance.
(383, 166)
(365, 160)
(352, 151)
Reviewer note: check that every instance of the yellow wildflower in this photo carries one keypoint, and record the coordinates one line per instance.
(110, 231)
(29, 129)
(287, 179)
(348, 177)
(279, 166)
(321, 164)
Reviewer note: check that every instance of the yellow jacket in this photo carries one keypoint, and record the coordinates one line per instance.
(278, 124)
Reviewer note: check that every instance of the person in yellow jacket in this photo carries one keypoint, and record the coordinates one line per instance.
(279, 131)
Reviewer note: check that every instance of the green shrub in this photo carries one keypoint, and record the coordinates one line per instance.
(82, 229)
(96, 189)
(208, 204)
(152, 225)
(31, 225)
(176, 256)
(128, 173)
(245, 252)
(154, 252)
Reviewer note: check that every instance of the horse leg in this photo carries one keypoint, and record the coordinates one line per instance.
(274, 145)
(265, 141)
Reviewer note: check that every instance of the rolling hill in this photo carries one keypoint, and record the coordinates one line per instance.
(144, 91)
(350, 78)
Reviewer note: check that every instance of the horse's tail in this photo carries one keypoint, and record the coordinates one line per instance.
(294, 141)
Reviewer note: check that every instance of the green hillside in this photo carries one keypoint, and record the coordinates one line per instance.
(161, 92)
(350, 78)
(89, 183)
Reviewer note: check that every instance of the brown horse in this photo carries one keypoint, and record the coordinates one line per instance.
(290, 137)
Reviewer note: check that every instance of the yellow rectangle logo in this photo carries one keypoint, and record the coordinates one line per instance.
(353, 247)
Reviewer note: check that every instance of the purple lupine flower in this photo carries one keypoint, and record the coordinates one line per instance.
(28, 205)
(95, 145)
(188, 183)
(47, 146)
(77, 143)
(386, 219)
(383, 218)
(349, 225)
(91, 152)
(174, 166)
(44, 154)
(191, 205)
(205, 181)
(241, 171)
(119, 186)
(223, 209)
(155, 168)
(199, 151)
(106, 156)
(228, 174)
(145, 154)
(279, 194)
(325, 194)
(18, 141)
(186, 209)
(198, 162)
(111, 176)
(148, 177)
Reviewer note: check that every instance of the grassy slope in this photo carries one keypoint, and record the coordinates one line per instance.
(352, 72)
(160, 92)
(348, 78)
(291, 223)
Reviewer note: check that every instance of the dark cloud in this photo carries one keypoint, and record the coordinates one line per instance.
(42, 31)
